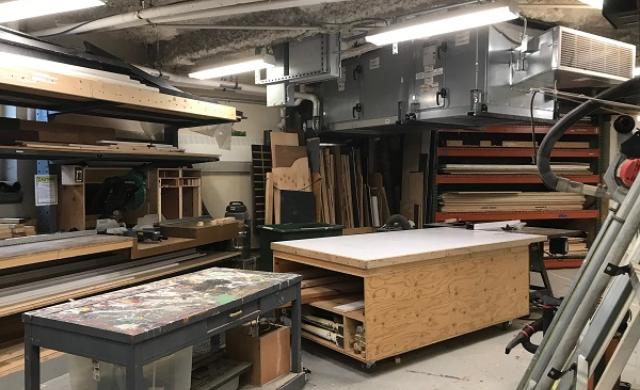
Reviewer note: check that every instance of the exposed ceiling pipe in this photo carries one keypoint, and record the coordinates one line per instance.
(190, 10)
(186, 82)
(179, 26)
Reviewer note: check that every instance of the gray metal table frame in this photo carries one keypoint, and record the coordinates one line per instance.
(133, 353)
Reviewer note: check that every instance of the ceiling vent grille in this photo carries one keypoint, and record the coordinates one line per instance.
(595, 54)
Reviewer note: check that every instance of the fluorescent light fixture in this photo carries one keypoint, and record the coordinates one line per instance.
(234, 67)
(448, 22)
(24, 9)
(593, 3)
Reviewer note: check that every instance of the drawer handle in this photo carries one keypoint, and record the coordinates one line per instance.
(235, 314)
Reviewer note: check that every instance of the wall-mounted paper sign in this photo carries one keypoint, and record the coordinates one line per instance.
(46, 190)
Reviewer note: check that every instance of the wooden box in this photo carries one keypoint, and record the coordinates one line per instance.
(269, 354)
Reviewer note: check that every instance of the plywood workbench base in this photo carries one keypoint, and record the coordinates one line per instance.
(409, 306)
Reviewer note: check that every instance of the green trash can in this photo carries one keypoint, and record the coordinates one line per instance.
(290, 232)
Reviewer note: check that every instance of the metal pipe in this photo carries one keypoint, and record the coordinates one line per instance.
(179, 26)
(186, 82)
(190, 10)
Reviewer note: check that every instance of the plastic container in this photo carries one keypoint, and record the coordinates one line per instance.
(171, 372)
(290, 232)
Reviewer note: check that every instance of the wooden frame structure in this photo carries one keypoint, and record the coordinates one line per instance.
(418, 287)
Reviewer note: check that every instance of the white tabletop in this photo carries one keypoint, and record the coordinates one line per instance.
(376, 250)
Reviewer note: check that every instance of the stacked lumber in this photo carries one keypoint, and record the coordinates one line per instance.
(516, 144)
(320, 285)
(13, 131)
(342, 191)
(16, 230)
(511, 169)
(106, 147)
(12, 357)
(510, 201)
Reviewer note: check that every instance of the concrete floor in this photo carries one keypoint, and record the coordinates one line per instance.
(475, 362)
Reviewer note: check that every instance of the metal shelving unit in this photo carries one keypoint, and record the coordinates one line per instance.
(452, 146)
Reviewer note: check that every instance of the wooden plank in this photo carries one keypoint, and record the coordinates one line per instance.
(322, 281)
(268, 219)
(71, 208)
(81, 88)
(369, 251)
(282, 138)
(435, 302)
(414, 199)
(283, 156)
(523, 215)
(330, 290)
(40, 252)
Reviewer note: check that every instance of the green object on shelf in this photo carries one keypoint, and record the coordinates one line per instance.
(290, 232)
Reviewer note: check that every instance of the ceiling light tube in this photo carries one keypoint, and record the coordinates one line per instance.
(24, 9)
(230, 68)
(444, 23)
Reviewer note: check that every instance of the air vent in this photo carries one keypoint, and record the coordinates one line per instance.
(586, 52)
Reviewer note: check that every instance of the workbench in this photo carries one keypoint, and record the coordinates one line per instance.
(410, 289)
(177, 313)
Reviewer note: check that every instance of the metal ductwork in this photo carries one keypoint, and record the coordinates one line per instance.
(470, 79)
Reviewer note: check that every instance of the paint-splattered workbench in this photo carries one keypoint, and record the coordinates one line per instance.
(136, 326)
(384, 294)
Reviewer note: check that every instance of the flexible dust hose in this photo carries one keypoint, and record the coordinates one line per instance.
(556, 132)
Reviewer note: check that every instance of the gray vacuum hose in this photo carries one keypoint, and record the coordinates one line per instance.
(556, 132)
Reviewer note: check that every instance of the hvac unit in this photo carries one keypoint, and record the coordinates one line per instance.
(470, 79)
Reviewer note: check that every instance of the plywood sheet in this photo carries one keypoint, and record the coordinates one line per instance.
(284, 155)
(19, 255)
(432, 302)
(367, 251)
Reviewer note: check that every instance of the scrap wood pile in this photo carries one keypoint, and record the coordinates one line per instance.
(15, 227)
(510, 201)
(320, 184)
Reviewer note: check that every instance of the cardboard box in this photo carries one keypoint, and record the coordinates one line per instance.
(269, 353)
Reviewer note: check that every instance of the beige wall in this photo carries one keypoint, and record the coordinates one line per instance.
(219, 188)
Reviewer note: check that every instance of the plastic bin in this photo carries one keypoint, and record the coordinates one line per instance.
(171, 372)
(290, 232)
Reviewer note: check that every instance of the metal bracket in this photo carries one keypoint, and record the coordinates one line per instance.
(614, 270)
(557, 374)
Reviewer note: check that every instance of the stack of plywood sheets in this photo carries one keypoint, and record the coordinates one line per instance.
(510, 201)
(517, 144)
(320, 285)
(16, 230)
(511, 169)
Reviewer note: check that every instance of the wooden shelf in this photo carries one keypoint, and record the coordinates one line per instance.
(46, 251)
(563, 263)
(508, 179)
(512, 152)
(522, 215)
(526, 129)
(330, 304)
(105, 154)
